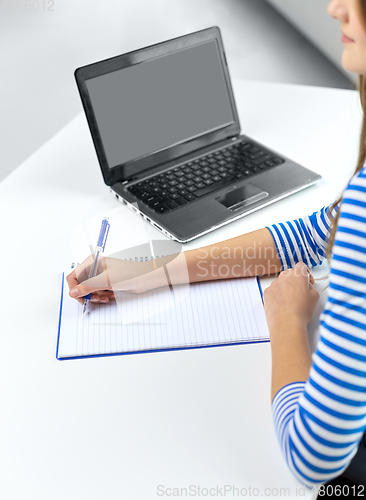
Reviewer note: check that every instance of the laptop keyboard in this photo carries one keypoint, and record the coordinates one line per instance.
(190, 181)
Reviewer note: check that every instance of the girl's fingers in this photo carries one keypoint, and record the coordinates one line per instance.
(92, 285)
(103, 296)
(99, 297)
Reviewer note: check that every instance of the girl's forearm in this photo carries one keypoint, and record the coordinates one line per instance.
(251, 254)
(291, 357)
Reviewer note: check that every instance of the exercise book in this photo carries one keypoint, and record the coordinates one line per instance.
(205, 314)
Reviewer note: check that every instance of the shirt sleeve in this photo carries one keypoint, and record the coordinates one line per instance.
(319, 423)
(303, 239)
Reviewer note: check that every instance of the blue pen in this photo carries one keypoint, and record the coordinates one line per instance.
(104, 230)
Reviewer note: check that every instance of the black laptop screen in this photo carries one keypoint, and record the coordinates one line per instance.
(156, 104)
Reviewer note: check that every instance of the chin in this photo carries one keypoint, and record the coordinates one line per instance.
(349, 64)
(351, 68)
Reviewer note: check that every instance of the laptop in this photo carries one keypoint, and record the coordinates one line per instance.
(167, 135)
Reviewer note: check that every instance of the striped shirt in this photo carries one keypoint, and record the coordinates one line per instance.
(319, 423)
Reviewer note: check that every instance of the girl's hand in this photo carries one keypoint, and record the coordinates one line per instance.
(113, 275)
(291, 297)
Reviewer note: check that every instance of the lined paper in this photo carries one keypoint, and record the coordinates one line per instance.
(200, 314)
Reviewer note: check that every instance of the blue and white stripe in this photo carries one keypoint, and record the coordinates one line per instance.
(320, 422)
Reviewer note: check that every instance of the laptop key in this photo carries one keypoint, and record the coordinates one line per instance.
(174, 196)
(154, 202)
(256, 155)
(136, 192)
(190, 197)
(214, 186)
(191, 188)
(261, 159)
(270, 163)
(200, 185)
(172, 204)
(162, 209)
(133, 189)
(181, 200)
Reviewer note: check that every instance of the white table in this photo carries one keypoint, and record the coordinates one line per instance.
(118, 427)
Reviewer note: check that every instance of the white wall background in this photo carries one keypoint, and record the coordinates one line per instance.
(312, 20)
(39, 51)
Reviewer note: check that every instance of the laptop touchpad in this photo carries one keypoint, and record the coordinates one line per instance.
(242, 197)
